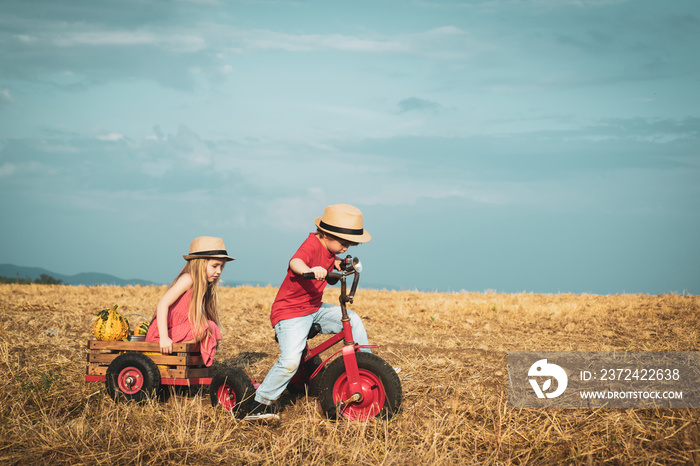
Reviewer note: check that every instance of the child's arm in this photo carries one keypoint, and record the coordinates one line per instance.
(299, 267)
(181, 285)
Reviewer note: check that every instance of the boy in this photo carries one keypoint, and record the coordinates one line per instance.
(298, 303)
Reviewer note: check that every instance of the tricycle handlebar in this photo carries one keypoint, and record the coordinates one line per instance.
(349, 266)
(331, 278)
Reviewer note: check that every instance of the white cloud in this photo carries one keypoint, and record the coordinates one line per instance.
(321, 146)
(272, 40)
(447, 42)
(31, 168)
(7, 169)
(27, 39)
(356, 44)
(110, 137)
(55, 146)
(352, 112)
(6, 96)
(407, 189)
(101, 38)
(443, 43)
(191, 147)
(226, 69)
(168, 39)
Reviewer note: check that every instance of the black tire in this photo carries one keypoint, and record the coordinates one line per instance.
(300, 383)
(314, 385)
(232, 390)
(132, 377)
(381, 390)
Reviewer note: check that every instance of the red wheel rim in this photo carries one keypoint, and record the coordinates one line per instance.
(373, 396)
(227, 397)
(130, 380)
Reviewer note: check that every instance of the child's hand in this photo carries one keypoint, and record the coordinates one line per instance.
(300, 268)
(319, 272)
(166, 345)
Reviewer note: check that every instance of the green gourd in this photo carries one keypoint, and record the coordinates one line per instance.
(142, 329)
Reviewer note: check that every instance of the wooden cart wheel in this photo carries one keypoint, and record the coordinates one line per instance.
(132, 376)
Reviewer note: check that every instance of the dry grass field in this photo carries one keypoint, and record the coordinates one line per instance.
(452, 350)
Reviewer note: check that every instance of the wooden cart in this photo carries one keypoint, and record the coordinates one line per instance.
(183, 367)
(135, 371)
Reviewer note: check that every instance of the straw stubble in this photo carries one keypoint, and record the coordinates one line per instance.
(451, 348)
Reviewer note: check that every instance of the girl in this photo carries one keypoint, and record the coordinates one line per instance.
(188, 311)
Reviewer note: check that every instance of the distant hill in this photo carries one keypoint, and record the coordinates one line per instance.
(87, 279)
(94, 279)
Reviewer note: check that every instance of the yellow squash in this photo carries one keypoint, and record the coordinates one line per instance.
(111, 325)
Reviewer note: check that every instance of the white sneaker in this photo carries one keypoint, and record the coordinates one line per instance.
(260, 412)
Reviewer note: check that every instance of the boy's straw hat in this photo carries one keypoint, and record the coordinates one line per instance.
(208, 247)
(343, 221)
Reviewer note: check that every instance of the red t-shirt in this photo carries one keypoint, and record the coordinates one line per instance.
(299, 297)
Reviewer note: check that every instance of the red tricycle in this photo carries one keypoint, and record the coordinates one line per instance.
(358, 385)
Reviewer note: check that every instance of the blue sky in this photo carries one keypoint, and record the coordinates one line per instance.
(542, 146)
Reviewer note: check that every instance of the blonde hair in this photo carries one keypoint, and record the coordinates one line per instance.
(204, 302)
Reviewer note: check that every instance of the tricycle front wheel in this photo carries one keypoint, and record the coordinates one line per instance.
(380, 390)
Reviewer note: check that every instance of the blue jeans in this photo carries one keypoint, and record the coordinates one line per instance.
(291, 335)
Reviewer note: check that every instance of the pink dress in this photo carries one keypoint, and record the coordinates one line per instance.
(180, 330)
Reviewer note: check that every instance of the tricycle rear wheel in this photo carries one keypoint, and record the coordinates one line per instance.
(232, 390)
(301, 384)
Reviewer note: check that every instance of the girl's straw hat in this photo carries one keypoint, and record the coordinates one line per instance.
(343, 221)
(208, 247)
